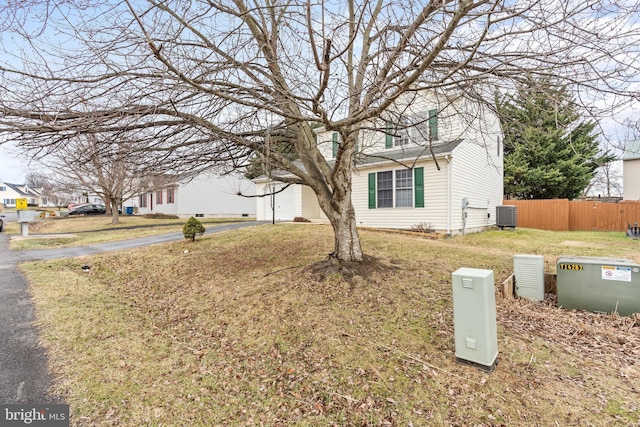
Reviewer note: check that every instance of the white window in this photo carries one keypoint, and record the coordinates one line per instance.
(419, 129)
(402, 134)
(404, 188)
(394, 189)
(385, 189)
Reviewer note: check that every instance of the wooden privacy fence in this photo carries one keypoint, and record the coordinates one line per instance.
(565, 215)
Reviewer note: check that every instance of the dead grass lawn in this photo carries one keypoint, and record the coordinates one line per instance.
(233, 332)
(98, 229)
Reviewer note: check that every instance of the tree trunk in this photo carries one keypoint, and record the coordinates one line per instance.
(337, 205)
(346, 238)
(115, 215)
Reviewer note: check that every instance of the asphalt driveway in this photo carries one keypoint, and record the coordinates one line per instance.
(24, 376)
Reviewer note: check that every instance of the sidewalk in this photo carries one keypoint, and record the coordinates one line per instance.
(24, 376)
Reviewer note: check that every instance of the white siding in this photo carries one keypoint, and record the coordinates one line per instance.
(260, 213)
(302, 200)
(9, 196)
(286, 204)
(477, 175)
(434, 212)
(208, 196)
(631, 179)
(216, 196)
(167, 208)
(474, 170)
(451, 124)
(310, 208)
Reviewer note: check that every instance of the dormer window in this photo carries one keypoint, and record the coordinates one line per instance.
(418, 129)
(401, 137)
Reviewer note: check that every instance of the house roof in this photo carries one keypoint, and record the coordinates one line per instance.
(632, 150)
(439, 150)
(15, 188)
(387, 156)
(23, 190)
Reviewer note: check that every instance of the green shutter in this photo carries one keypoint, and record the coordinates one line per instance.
(388, 142)
(335, 144)
(433, 124)
(418, 182)
(372, 190)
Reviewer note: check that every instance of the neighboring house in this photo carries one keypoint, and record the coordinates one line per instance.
(79, 197)
(631, 171)
(10, 192)
(205, 196)
(398, 184)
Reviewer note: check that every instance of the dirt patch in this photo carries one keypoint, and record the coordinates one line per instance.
(609, 338)
(348, 270)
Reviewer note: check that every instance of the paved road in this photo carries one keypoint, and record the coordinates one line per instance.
(23, 363)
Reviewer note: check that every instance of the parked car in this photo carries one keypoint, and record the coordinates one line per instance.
(1, 223)
(105, 208)
(88, 209)
(75, 205)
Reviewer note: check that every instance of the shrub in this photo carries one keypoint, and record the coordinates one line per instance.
(192, 228)
(423, 227)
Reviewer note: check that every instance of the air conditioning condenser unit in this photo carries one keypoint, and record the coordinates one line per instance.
(506, 216)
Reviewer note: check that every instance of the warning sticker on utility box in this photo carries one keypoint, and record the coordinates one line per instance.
(622, 274)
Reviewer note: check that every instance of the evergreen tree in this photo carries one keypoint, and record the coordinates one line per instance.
(193, 228)
(548, 152)
(258, 162)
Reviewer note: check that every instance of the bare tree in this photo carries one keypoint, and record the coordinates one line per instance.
(60, 194)
(607, 182)
(44, 183)
(207, 80)
(40, 180)
(113, 170)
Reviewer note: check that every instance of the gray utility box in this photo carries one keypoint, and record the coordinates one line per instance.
(474, 317)
(26, 215)
(604, 285)
(528, 272)
(24, 218)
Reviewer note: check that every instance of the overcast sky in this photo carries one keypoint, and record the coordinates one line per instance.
(12, 168)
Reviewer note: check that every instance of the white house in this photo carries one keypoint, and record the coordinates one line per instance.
(205, 196)
(631, 171)
(399, 182)
(10, 192)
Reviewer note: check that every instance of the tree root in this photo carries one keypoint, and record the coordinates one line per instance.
(348, 270)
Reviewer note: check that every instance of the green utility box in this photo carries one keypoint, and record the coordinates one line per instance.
(603, 285)
(474, 317)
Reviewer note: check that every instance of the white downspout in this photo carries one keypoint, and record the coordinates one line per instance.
(449, 160)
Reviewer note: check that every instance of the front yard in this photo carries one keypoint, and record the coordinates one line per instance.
(78, 231)
(231, 330)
